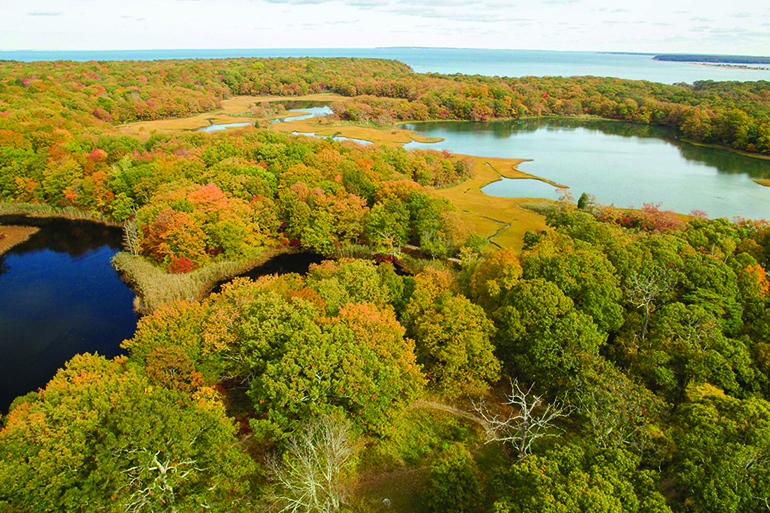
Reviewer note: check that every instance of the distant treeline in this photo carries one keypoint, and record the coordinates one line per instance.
(721, 59)
(37, 97)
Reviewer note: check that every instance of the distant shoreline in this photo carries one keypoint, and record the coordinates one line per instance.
(713, 59)
(726, 65)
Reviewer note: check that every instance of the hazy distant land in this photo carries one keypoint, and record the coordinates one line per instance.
(713, 59)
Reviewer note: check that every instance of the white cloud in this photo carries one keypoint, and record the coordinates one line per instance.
(605, 25)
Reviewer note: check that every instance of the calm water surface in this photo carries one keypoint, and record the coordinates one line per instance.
(620, 163)
(298, 263)
(512, 63)
(221, 126)
(312, 112)
(59, 296)
(310, 109)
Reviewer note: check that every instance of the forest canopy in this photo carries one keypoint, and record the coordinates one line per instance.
(619, 362)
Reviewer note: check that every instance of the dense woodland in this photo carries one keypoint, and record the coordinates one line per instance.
(619, 363)
(68, 94)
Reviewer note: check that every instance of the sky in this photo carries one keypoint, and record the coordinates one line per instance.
(659, 26)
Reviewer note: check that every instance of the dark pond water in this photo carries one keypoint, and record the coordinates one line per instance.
(282, 264)
(59, 296)
(620, 163)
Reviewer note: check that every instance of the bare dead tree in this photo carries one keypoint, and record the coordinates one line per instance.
(156, 478)
(310, 477)
(131, 236)
(530, 419)
(388, 238)
(644, 287)
(753, 467)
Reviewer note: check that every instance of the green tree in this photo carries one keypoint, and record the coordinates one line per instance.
(101, 437)
(585, 275)
(452, 336)
(687, 347)
(299, 364)
(722, 461)
(453, 484)
(541, 336)
(494, 278)
(350, 280)
(568, 479)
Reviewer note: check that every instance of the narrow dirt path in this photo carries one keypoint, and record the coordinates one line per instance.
(432, 405)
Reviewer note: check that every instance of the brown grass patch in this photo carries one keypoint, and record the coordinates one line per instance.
(11, 236)
(232, 110)
(387, 136)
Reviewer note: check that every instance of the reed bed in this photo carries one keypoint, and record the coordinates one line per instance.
(41, 210)
(155, 287)
(540, 207)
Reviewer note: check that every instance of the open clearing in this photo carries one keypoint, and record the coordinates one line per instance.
(233, 110)
(502, 221)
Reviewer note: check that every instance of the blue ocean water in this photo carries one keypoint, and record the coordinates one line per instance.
(513, 63)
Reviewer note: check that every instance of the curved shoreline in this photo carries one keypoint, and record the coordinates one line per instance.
(501, 221)
(43, 211)
(232, 110)
(155, 287)
(11, 236)
(235, 109)
(151, 285)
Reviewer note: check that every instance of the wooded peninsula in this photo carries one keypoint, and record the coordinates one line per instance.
(718, 59)
(452, 352)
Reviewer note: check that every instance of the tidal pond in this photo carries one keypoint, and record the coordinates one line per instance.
(309, 109)
(623, 164)
(222, 126)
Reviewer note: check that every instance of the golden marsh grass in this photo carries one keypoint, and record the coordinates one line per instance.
(155, 287)
(11, 236)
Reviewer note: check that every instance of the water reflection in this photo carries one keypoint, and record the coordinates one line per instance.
(621, 163)
(298, 263)
(59, 296)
